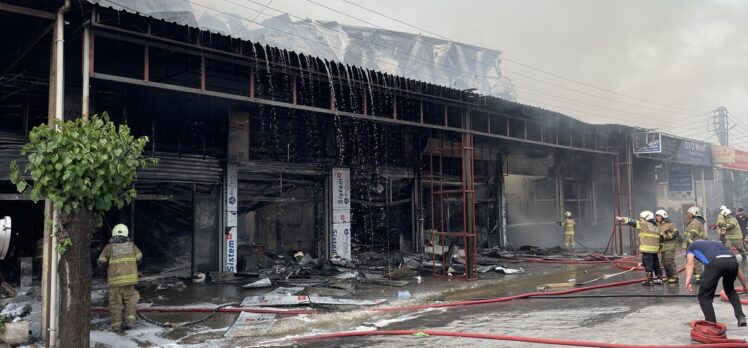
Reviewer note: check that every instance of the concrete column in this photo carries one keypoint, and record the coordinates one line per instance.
(468, 152)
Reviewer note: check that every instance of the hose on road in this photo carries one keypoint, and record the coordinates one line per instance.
(424, 333)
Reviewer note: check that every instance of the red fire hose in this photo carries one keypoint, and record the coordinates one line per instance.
(723, 296)
(720, 344)
(708, 332)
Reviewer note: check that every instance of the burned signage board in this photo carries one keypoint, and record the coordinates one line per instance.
(647, 142)
(340, 231)
(231, 220)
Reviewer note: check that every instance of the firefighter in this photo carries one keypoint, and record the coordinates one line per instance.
(123, 258)
(694, 230)
(668, 245)
(733, 234)
(649, 245)
(720, 220)
(568, 224)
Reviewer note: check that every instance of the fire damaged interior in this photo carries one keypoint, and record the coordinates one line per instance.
(428, 167)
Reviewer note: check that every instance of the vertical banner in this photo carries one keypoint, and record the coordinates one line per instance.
(232, 204)
(341, 241)
(340, 231)
(238, 136)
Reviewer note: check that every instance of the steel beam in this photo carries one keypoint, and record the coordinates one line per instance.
(27, 11)
(165, 86)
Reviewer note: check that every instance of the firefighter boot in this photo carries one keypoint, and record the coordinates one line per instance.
(648, 281)
(673, 280)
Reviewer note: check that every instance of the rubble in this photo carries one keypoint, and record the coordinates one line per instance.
(249, 324)
(262, 283)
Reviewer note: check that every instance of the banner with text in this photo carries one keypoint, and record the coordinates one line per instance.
(340, 229)
(740, 163)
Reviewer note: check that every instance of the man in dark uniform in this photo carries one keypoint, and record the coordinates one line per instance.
(719, 262)
(742, 219)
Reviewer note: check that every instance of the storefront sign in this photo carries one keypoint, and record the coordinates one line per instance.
(341, 216)
(231, 188)
(238, 136)
(648, 142)
(341, 241)
(232, 204)
(231, 250)
(693, 152)
(680, 181)
(741, 161)
(722, 154)
(341, 188)
(340, 229)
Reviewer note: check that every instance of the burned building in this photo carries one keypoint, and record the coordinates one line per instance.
(264, 150)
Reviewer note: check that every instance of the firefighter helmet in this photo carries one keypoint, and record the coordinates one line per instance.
(120, 230)
(695, 211)
(662, 213)
(567, 214)
(725, 212)
(647, 215)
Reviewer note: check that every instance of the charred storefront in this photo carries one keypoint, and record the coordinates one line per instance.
(265, 151)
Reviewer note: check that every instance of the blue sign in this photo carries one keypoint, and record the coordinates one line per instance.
(693, 152)
(679, 178)
(649, 142)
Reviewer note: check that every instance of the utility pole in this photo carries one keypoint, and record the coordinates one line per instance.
(719, 123)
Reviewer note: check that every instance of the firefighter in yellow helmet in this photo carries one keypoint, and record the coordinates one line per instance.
(649, 245)
(694, 229)
(732, 232)
(568, 224)
(668, 245)
(123, 257)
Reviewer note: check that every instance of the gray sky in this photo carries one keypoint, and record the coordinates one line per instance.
(686, 56)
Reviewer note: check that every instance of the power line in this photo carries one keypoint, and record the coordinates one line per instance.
(503, 69)
(520, 63)
(244, 26)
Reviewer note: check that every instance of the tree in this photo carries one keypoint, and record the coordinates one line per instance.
(84, 168)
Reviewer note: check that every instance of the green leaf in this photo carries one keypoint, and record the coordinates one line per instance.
(21, 186)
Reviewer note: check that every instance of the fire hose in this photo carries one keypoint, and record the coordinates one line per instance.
(718, 343)
(712, 334)
(724, 298)
(708, 332)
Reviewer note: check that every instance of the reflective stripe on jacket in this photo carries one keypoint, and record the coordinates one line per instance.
(694, 229)
(122, 259)
(568, 224)
(732, 228)
(649, 236)
(668, 236)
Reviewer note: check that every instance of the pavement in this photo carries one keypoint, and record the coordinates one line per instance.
(634, 320)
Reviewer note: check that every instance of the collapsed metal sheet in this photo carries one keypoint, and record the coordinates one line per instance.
(249, 324)
(433, 60)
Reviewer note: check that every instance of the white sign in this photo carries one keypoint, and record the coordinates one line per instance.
(341, 241)
(250, 324)
(341, 188)
(231, 250)
(232, 199)
(274, 300)
(232, 203)
(231, 220)
(341, 216)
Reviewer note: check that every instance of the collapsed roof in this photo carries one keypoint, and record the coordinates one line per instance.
(419, 57)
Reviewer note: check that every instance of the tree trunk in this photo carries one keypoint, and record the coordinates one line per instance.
(75, 283)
